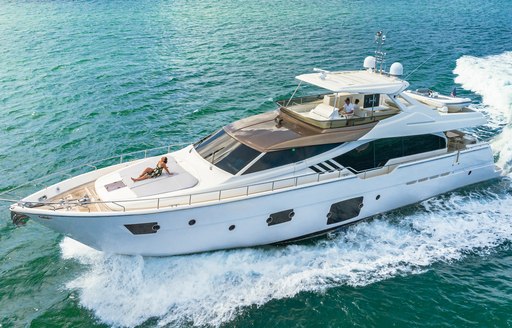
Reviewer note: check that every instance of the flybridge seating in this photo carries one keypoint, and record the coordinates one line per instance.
(323, 110)
(373, 91)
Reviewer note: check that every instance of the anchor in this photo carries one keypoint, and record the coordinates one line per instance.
(19, 219)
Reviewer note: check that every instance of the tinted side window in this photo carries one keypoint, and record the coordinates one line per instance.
(287, 156)
(311, 151)
(360, 158)
(275, 159)
(423, 143)
(377, 153)
(386, 149)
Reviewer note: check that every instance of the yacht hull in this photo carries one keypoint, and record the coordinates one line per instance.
(270, 217)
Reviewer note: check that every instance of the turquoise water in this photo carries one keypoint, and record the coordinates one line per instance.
(86, 80)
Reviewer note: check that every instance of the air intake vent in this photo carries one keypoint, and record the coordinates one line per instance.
(143, 228)
(344, 210)
(327, 166)
(280, 217)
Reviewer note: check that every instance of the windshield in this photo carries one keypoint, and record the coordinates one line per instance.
(225, 152)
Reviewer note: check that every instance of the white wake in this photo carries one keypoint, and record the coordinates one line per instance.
(212, 288)
(491, 78)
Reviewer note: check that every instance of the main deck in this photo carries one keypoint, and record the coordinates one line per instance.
(80, 199)
(84, 198)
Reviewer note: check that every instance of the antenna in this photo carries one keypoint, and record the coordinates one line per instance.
(323, 72)
(380, 39)
(414, 70)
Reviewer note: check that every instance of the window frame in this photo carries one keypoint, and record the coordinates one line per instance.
(228, 162)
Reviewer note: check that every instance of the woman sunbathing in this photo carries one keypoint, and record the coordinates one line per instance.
(154, 172)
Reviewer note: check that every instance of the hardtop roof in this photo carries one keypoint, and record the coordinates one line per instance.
(362, 82)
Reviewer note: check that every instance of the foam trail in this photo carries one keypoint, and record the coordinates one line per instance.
(491, 77)
(212, 288)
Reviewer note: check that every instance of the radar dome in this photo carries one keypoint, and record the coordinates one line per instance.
(396, 69)
(369, 62)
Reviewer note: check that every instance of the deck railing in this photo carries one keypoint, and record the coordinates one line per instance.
(300, 100)
(160, 202)
(208, 196)
(95, 165)
(192, 199)
(216, 195)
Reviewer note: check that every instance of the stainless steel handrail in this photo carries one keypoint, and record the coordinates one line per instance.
(363, 174)
(221, 194)
(94, 165)
(216, 195)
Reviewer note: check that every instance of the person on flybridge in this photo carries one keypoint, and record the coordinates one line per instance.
(356, 105)
(348, 108)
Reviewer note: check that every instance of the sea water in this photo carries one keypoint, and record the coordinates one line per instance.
(85, 80)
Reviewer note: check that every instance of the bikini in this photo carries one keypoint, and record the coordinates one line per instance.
(156, 171)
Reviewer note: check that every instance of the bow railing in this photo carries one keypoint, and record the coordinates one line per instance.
(95, 165)
(86, 205)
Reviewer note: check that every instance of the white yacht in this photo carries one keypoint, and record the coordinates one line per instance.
(293, 173)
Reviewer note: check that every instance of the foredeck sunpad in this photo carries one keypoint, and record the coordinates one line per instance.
(180, 179)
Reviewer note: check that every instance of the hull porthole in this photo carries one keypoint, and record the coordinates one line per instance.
(232, 227)
(192, 222)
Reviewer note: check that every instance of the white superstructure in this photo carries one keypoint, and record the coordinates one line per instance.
(296, 172)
